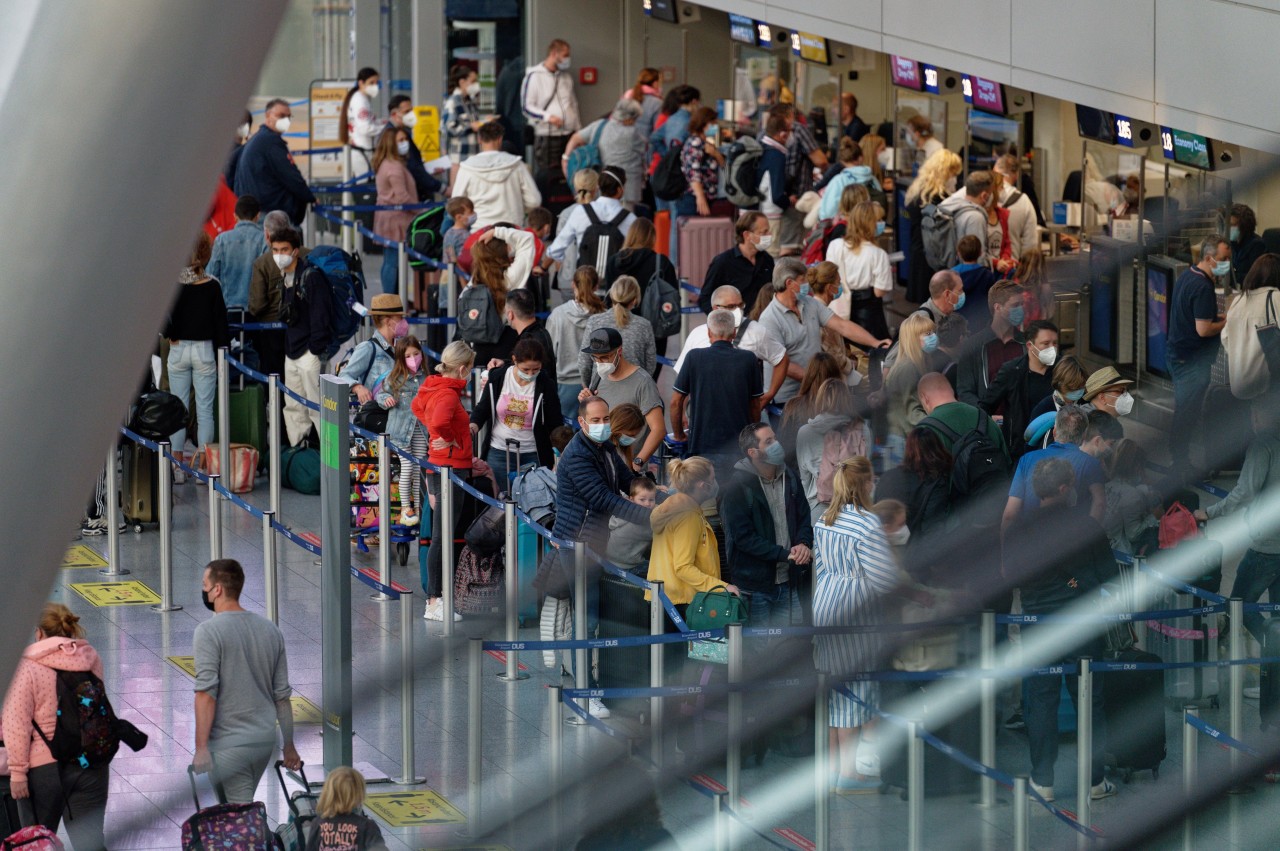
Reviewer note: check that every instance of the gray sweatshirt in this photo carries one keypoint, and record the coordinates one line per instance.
(567, 325)
(629, 543)
(809, 455)
(1261, 473)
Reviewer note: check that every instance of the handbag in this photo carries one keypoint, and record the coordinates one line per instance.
(371, 417)
(715, 609)
(1269, 339)
(487, 533)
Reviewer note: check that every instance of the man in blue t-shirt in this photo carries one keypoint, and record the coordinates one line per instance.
(1080, 439)
(1194, 326)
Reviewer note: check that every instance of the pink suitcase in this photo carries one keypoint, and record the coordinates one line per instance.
(700, 241)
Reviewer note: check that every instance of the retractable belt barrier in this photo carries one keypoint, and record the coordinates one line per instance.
(1219, 736)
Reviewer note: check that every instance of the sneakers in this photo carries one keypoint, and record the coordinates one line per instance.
(853, 786)
(597, 709)
(1015, 722)
(91, 527)
(1105, 789)
(1252, 692)
(435, 612)
(1046, 792)
(867, 762)
(409, 519)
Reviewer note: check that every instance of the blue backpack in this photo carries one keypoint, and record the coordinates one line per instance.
(585, 156)
(346, 287)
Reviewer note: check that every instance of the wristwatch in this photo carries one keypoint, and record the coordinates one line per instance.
(639, 461)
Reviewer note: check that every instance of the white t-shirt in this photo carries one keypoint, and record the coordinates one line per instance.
(756, 339)
(513, 419)
(861, 272)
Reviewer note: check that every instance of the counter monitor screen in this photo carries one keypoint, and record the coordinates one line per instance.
(810, 48)
(663, 10)
(742, 29)
(1095, 124)
(1191, 149)
(988, 95)
(906, 72)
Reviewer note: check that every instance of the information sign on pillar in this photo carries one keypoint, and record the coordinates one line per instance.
(335, 582)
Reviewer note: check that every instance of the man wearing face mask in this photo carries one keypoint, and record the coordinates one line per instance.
(946, 295)
(591, 478)
(266, 287)
(1072, 433)
(747, 266)
(551, 106)
(374, 357)
(305, 308)
(1192, 347)
(242, 688)
(1022, 384)
(266, 169)
(618, 381)
(402, 115)
(770, 535)
(748, 335)
(1106, 391)
(991, 348)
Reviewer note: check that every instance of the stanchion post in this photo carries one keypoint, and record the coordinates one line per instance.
(451, 283)
(215, 518)
(821, 767)
(408, 768)
(513, 673)
(269, 577)
(402, 274)
(1084, 748)
(446, 548)
(988, 707)
(224, 412)
(580, 654)
(554, 760)
(1021, 814)
(475, 731)
(1235, 645)
(1190, 758)
(657, 625)
(384, 517)
(348, 198)
(685, 322)
(113, 568)
(721, 825)
(915, 787)
(275, 474)
(165, 495)
(733, 756)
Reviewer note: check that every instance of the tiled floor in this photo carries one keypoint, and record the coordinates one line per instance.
(150, 796)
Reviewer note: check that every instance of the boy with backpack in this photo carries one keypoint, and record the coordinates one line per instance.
(963, 214)
(774, 200)
(305, 307)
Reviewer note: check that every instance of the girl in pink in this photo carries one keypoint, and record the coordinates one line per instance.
(33, 702)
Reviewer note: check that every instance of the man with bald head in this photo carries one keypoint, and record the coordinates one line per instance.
(748, 335)
(938, 398)
(946, 295)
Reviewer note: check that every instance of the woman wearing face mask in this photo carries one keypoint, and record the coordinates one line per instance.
(395, 186)
(851, 169)
(461, 117)
(877, 156)
(360, 129)
(1069, 379)
(923, 484)
(834, 425)
(932, 186)
(824, 285)
(520, 407)
(864, 268)
(438, 406)
(376, 356)
(396, 393)
(685, 556)
(30, 719)
(999, 245)
(638, 343)
(917, 343)
(626, 424)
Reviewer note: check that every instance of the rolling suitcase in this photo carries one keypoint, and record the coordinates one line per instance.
(1186, 639)
(528, 545)
(1134, 705)
(224, 825)
(943, 775)
(293, 833)
(700, 240)
(1269, 679)
(624, 612)
(139, 485)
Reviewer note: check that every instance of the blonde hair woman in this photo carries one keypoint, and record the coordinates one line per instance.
(864, 268)
(936, 180)
(338, 820)
(638, 344)
(685, 557)
(853, 569)
(917, 341)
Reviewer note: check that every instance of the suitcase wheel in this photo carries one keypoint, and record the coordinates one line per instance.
(402, 553)
(137, 528)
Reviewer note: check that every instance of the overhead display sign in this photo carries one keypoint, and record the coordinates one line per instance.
(663, 10)
(929, 77)
(905, 73)
(810, 47)
(764, 34)
(1124, 131)
(988, 95)
(742, 29)
(1191, 149)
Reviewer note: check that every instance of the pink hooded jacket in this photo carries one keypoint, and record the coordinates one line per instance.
(33, 694)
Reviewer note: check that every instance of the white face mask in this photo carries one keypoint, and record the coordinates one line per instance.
(951, 185)
(563, 64)
(1048, 356)
(765, 242)
(282, 124)
(473, 90)
(283, 261)
(899, 538)
(243, 131)
(409, 119)
(1124, 404)
(604, 370)
(371, 90)
(402, 147)
(737, 317)
(885, 159)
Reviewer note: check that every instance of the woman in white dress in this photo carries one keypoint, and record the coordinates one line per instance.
(854, 571)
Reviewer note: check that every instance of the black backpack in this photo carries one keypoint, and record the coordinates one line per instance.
(979, 472)
(660, 303)
(425, 236)
(478, 320)
(668, 181)
(86, 733)
(601, 240)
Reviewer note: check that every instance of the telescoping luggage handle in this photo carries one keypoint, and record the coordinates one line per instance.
(299, 777)
(218, 788)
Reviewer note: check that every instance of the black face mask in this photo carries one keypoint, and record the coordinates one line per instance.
(204, 598)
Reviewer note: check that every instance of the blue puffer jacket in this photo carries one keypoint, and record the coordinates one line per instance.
(590, 480)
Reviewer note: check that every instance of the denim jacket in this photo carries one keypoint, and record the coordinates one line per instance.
(401, 421)
(369, 360)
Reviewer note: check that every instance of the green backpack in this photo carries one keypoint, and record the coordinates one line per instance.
(301, 468)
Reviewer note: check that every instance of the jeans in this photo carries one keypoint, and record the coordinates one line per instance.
(192, 362)
(432, 577)
(390, 269)
(1040, 696)
(79, 793)
(1190, 383)
(1257, 573)
(569, 401)
(497, 459)
(772, 608)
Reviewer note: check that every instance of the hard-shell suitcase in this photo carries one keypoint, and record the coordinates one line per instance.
(943, 775)
(528, 545)
(624, 612)
(139, 485)
(241, 826)
(700, 240)
(247, 412)
(1134, 706)
(1269, 679)
(1187, 639)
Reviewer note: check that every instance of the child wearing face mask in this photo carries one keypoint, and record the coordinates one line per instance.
(463, 214)
(397, 391)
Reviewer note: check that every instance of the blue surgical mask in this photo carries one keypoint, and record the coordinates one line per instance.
(1222, 268)
(879, 228)
(960, 301)
(1016, 315)
(715, 492)
(599, 432)
(839, 292)
(775, 454)
(1235, 233)
(930, 342)
(805, 289)
(626, 439)
(1075, 395)
(525, 376)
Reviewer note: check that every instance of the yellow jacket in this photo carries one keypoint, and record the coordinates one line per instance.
(684, 556)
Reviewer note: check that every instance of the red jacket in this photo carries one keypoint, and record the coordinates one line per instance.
(438, 406)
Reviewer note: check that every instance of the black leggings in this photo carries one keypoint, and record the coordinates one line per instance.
(868, 312)
(80, 793)
(433, 582)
